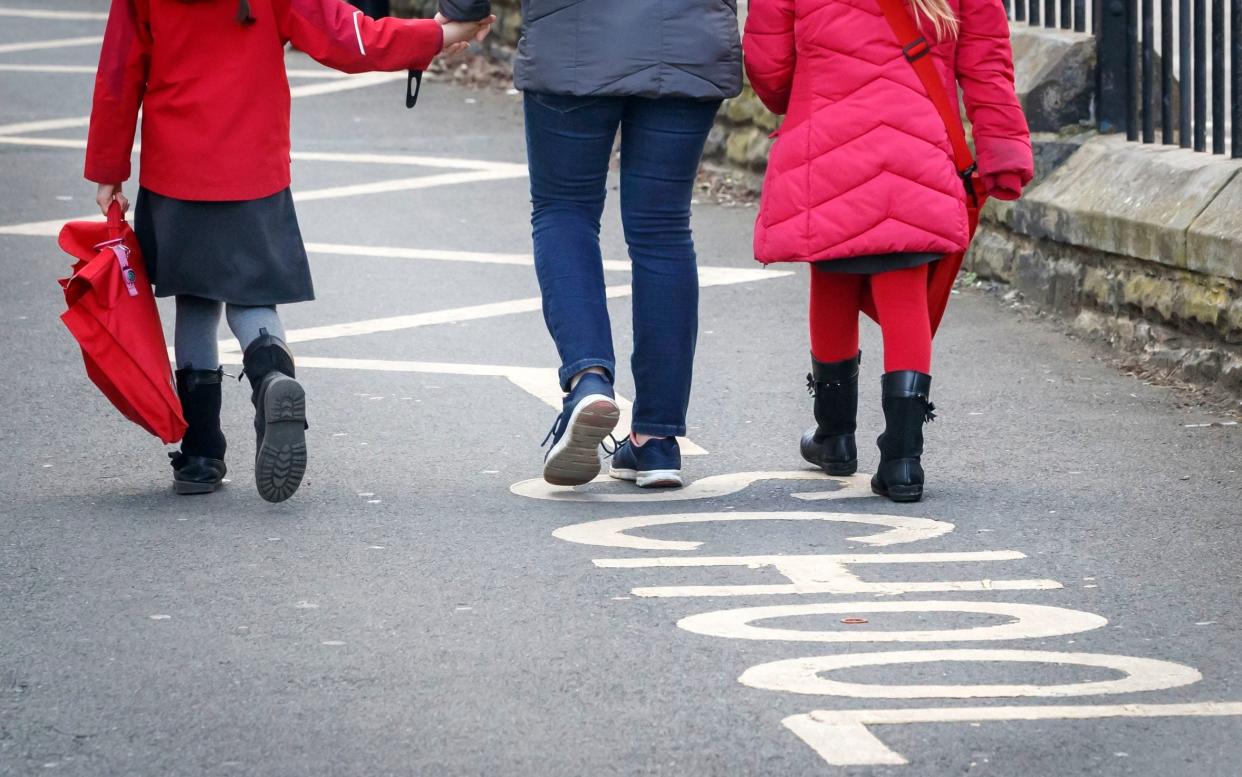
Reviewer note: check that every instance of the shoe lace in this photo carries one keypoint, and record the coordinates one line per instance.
(616, 445)
(929, 410)
(552, 431)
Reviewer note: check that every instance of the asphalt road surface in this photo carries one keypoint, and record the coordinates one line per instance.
(1065, 602)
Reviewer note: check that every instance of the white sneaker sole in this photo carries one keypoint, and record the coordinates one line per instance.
(574, 460)
(655, 478)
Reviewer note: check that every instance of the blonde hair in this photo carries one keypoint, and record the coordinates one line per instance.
(941, 15)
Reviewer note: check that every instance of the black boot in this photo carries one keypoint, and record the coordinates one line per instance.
(830, 445)
(906, 408)
(199, 467)
(279, 418)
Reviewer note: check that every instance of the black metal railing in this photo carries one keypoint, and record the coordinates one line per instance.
(1178, 72)
(1170, 74)
(1054, 14)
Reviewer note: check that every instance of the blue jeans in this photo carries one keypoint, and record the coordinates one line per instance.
(569, 142)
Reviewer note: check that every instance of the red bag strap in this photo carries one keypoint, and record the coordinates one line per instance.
(917, 51)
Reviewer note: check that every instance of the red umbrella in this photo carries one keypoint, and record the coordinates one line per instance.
(113, 317)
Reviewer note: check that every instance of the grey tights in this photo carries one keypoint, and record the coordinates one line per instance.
(198, 325)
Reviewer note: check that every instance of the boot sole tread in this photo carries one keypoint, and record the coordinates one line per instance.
(280, 462)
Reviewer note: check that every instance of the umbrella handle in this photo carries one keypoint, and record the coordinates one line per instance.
(116, 220)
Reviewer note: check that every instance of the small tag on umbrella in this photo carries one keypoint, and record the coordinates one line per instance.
(127, 272)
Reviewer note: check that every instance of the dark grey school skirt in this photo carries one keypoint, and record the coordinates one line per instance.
(876, 263)
(248, 252)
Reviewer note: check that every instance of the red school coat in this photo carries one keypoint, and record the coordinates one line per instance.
(862, 164)
(213, 91)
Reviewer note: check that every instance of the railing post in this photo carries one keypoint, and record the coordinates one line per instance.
(1115, 82)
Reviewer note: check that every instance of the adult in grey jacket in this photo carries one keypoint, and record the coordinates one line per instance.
(657, 70)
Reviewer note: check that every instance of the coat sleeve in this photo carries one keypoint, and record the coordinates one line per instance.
(120, 84)
(985, 73)
(770, 51)
(342, 37)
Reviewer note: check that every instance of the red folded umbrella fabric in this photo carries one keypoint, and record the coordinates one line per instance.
(113, 317)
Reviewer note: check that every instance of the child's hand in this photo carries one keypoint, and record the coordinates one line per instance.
(1004, 185)
(458, 35)
(108, 192)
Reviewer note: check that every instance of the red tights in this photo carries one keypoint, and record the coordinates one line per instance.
(901, 303)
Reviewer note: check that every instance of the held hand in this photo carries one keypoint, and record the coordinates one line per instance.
(458, 35)
(108, 192)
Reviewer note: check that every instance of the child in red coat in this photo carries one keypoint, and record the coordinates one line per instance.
(861, 183)
(214, 216)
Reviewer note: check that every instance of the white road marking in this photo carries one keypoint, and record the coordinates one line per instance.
(415, 160)
(350, 81)
(387, 160)
(344, 84)
(1030, 621)
(540, 382)
(438, 255)
(841, 737)
(827, 574)
(44, 125)
(852, 487)
(45, 142)
(59, 43)
(32, 13)
(612, 532)
(708, 276)
(804, 675)
(405, 184)
(52, 227)
(845, 588)
(91, 69)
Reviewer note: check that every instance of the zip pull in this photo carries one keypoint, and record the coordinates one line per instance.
(413, 86)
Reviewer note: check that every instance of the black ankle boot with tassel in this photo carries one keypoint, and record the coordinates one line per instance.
(831, 445)
(279, 418)
(907, 406)
(198, 468)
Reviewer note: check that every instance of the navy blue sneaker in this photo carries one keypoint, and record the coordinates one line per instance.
(589, 416)
(655, 464)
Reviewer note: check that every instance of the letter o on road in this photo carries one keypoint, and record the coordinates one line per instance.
(803, 675)
(1030, 621)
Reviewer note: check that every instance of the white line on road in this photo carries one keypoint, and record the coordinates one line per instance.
(346, 84)
(540, 382)
(439, 255)
(805, 675)
(613, 532)
(309, 90)
(52, 227)
(841, 737)
(852, 487)
(406, 184)
(44, 125)
(708, 277)
(1030, 621)
(33, 13)
(59, 43)
(91, 69)
(827, 573)
(450, 163)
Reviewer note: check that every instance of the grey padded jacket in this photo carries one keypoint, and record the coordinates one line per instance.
(630, 48)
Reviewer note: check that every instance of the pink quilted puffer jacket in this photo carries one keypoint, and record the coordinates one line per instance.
(862, 164)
